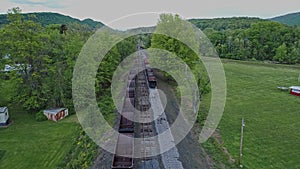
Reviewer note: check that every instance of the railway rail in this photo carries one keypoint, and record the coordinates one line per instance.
(141, 84)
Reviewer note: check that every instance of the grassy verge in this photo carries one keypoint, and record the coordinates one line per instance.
(271, 136)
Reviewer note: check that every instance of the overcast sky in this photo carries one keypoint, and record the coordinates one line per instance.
(145, 12)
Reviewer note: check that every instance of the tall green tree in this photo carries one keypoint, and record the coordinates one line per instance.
(44, 60)
(281, 53)
(24, 43)
(181, 32)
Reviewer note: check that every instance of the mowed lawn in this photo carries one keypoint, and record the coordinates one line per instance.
(31, 144)
(272, 117)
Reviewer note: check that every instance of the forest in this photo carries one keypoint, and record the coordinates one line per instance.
(253, 39)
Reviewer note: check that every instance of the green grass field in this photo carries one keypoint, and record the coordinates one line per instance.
(27, 143)
(272, 117)
(31, 144)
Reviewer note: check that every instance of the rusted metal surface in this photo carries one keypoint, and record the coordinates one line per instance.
(123, 157)
(144, 91)
(126, 125)
(152, 81)
(131, 92)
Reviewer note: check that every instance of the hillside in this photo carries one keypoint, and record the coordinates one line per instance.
(289, 19)
(46, 18)
(220, 24)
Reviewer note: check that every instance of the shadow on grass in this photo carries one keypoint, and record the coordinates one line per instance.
(2, 153)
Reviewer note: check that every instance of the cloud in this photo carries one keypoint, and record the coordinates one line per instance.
(45, 3)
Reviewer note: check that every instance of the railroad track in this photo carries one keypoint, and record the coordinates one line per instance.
(142, 83)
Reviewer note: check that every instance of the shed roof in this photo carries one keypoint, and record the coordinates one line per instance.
(54, 111)
(295, 87)
(3, 109)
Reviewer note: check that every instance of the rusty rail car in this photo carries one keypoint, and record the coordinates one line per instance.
(126, 125)
(123, 158)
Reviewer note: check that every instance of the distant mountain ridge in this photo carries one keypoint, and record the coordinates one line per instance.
(220, 24)
(292, 19)
(47, 18)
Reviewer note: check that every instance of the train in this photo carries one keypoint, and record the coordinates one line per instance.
(152, 83)
(123, 156)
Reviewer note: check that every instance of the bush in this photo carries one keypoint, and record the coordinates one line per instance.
(40, 116)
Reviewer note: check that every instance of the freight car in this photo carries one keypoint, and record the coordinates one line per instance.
(131, 92)
(152, 81)
(150, 74)
(123, 158)
(126, 125)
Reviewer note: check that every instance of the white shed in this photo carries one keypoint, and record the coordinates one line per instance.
(4, 116)
(56, 114)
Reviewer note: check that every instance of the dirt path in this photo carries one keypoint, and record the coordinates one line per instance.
(191, 153)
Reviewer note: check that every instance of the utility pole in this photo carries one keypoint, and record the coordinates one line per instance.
(241, 143)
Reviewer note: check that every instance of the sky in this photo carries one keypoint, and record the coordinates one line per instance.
(124, 14)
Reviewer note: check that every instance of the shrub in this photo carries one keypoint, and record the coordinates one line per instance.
(39, 116)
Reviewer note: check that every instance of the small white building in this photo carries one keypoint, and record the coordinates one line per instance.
(295, 90)
(56, 114)
(4, 116)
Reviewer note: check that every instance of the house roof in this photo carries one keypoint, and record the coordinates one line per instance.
(2, 109)
(54, 111)
(295, 87)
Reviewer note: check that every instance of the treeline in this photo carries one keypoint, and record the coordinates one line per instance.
(221, 24)
(245, 39)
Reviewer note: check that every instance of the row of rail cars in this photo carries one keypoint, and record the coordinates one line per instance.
(149, 74)
(123, 157)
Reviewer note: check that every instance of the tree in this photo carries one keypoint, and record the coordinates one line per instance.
(180, 31)
(281, 53)
(23, 42)
(44, 58)
(294, 56)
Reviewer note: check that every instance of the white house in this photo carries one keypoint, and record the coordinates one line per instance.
(4, 116)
